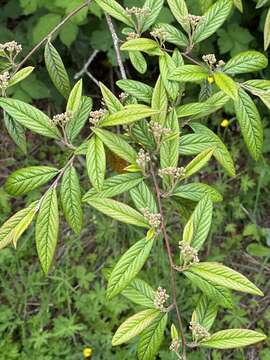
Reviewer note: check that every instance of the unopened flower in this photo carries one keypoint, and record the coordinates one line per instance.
(87, 352)
(176, 172)
(209, 59)
(96, 116)
(123, 96)
(198, 331)
(137, 11)
(62, 119)
(220, 63)
(161, 297)
(193, 20)
(132, 36)
(153, 219)
(11, 46)
(4, 78)
(158, 130)
(225, 123)
(188, 254)
(159, 34)
(142, 159)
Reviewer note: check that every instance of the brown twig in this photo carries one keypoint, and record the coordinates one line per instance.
(51, 33)
(170, 257)
(116, 46)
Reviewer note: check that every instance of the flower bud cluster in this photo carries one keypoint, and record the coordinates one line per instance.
(158, 130)
(132, 36)
(123, 96)
(188, 254)
(161, 297)
(209, 59)
(4, 78)
(194, 20)
(198, 331)
(159, 34)
(11, 47)
(62, 119)
(96, 116)
(153, 219)
(143, 158)
(176, 172)
(137, 11)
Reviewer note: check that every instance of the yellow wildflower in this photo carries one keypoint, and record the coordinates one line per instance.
(87, 352)
(210, 79)
(224, 123)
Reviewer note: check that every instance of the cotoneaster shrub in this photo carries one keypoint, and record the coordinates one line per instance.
(163, 141)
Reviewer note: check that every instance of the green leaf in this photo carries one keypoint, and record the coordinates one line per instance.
(205, 312)
(143, 134)
(258, 84)
(166, 67)
(267, 31)
(232, 338)
(71, 199)
(118, 211)
(226, 84)
(134, 325)
(221, 153)
(96, 162)
(22, 181)
(16, 132)
(30, 117)
(117, 145)
(68, 34)
(246, 61)
(258, 250)
(56, 70)
(151, 338)
(139, 90)
(143, 198)
(77, 122)
(192, 144)
(180, 11)
(111, 101)
(219, 294)
(169, 149)
(196, 191)
(215, 102)
(239, 5)
(129, 114)
(140, 44)
(45, 24)
(154, 7)
(201, 219)
(192, 109)
(114, 9)
(115, 185)
(20, 75)
(214, 17)
(129, 265)
(139, 292)
(198, 162)
(189, 73)
(250, 123)
(224, 276)
(138, 61)
(75, 97)
(6, 230)
(47, 229)
(160, 101)
(173, 35)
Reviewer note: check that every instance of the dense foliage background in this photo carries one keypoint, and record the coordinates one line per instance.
(56, 317)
